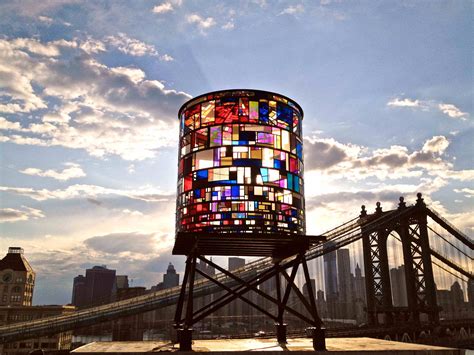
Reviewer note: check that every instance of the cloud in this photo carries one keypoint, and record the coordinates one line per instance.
(117, 243)
(228, 26)
(146, 193)
(33, 8)
(73, 171)
(15, 215)
(8, 125)
(406, 102)
(92, 46)
(133, 213)
(123, 43)
(103, 110)
(293, 10)
(426, 105)
(163, 8)
(323, 153)
(133, 46)
(469, 193)
(437, 144)
(202, 23)
(327, 157)
(46, 19)
(452, 111)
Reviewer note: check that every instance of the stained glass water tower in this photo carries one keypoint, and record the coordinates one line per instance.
(241, 192)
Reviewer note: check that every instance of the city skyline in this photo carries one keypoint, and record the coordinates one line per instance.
(89, 102)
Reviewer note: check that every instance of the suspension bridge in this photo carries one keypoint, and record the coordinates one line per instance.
(430, 245)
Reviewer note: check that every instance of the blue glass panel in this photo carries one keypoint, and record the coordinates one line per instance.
(284, 113)
(197, 193)
(263, 112)
(277, 164)
(290, 181)
(235, 191)
(297, 184)
(201, 174)
(299, 150)
(244, 162)
(227, 182)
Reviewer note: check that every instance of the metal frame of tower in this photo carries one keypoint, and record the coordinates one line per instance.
(284, 257)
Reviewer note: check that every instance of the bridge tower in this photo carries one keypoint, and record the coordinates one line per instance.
(410, 224)
(240, 193)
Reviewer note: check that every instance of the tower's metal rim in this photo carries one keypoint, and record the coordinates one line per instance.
(197, 99)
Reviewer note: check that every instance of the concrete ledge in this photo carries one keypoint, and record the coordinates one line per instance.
(339, 346)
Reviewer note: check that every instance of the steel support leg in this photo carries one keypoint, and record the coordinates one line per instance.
(185, 339)
(319, 338)
(280, 326)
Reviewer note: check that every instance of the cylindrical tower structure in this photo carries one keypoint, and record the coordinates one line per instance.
(241, 164)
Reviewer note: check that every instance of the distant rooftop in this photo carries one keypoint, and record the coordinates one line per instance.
(15, 260)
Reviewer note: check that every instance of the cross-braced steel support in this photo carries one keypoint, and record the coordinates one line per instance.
(238, 287)
(409, 226)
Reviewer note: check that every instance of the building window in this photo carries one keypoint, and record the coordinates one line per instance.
(15, 298)
(16, 289)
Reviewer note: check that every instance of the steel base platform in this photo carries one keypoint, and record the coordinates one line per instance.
(243, 244)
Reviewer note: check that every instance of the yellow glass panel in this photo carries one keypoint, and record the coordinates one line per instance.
(207, 112)
(204, 159)
(267, 159)
(285, 140)
(255, 153)
(272, 114)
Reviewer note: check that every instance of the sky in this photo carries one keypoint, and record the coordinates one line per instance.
(89, 95)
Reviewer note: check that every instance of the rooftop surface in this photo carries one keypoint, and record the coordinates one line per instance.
(268, 346)
(15, 261)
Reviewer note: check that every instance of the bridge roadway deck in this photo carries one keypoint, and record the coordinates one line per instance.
(336, 346)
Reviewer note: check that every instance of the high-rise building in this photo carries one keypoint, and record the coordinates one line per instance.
(457, 294)
(99, 283)
(207, 269)
(171, 278)
(344, 278)
(359, 285)
(17, 279)
(121, 282)
(399, 289)
(79, 291)
(321, 304)
(470, 292)
(235, 263)
(95, 288)
(330, 282)
(359, 301)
